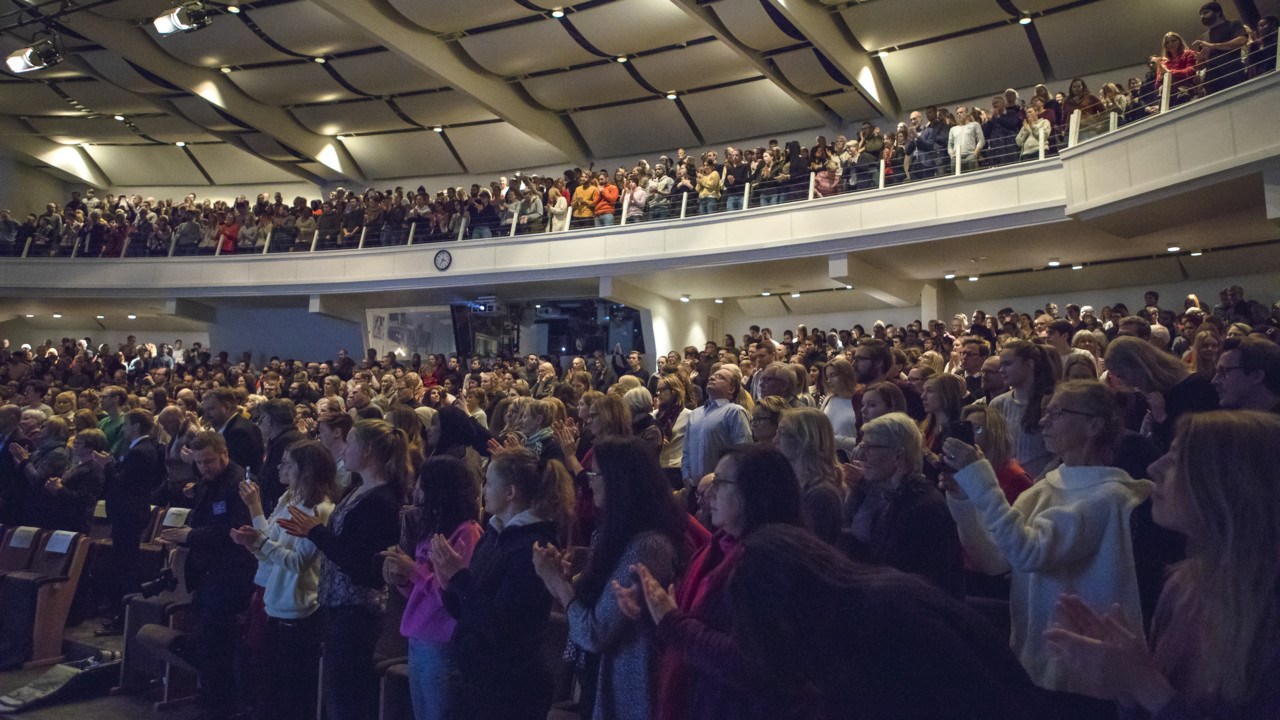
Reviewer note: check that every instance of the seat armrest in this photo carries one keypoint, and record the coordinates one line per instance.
(382, 667)
(36, 578)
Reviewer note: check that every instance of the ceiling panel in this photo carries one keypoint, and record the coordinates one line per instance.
(498, 147)
(147, 165)
(384, 73)
(850, 105)
(605, 83)
(134, 9)
(444, 108)
(293, 84)
(456, 15)
(555, 49)
(402, 155)
(805, 71)
(352, 117)
(992, 60)
(879, 25)
(199, 111)
(106, 98)
(1121, 33)
(307, 29)
(748, 22)
(267, 147)
(32, 98)
(321, 170)
(655, 125)
(696, 66)
(628, 26)
(168, 128)
(78, 130)
(228, 164)
(747, 110)
(226, 42)
(117, 70)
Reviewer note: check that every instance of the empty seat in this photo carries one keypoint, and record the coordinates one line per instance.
(19, 547)
(34, 602)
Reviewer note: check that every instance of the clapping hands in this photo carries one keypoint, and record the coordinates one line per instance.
(657, 600)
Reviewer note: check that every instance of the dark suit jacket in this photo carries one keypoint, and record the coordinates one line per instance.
(129, 485)
(218, 571)
(244, 444)
(13, 485)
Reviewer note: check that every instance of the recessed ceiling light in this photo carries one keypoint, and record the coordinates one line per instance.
(1053, 262)
(102, 317)
(557, 13)
(684, 298)
(1024, 21)
(133, 317)
(949, 276)
(339, 137)
(30, 315)
(180, 144)
(848, 287)
(1197, 253)
(120, 118)
(765, 294)
(973, 278)
(438, 129)
(719, 301)
(621, 58)
(1173, 248)
(671, 95)
(882, 54)
(537, 307)
(1077, 267)
(233, 9)
(57, 316)
(795, 294)
(319, 61)
(226, 70)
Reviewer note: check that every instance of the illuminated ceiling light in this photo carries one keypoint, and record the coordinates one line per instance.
(438, 129)
(187, 17)
(795, 294)
(339, 137)
(684, 298)
(180, 144)
(226, 70)
(719, 301)
(537, 307)
(233, 9)
(1077, 267)
(973, 278)
(1197, 253)
(949, 276)
(37, 56)
(671, 95)
(120, 118)
(102, 317)
(765, 294)
(318, 61)
(848, 287)
(133, 317)
(557, 13)
(1173, 248)
(1024, 20)
(57, 316)
(882, 54)
(1053, 262)
(621, 58)
(30, 315)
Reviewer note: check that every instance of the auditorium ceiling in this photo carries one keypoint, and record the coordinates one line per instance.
(358, 90)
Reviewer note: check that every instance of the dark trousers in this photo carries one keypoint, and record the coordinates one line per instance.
(293, 666)
(125, 555)
(217, 637)
(350, 688)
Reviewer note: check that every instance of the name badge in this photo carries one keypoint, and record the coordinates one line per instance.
(220, 508)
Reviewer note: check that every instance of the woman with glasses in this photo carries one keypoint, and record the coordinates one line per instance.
(765, 417)
(1068, 533)
(896, 517)
(702, 672)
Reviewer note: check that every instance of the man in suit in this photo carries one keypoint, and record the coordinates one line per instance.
(275, 420)
(128, 486)
(243, 440)
(12, 484)
(219, 573)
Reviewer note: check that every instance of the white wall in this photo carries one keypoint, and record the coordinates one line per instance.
(287, 332)
(26, 189)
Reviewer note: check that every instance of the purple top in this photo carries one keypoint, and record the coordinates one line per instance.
(424, 615)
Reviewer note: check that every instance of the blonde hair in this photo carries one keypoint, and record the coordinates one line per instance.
(1159, 370)
(995, 432)
(1164, 52)
(931, 359)
(547, 487)
(817, 462)
(1226, 461)
(898, 430)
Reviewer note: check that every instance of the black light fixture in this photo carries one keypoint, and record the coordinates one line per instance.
(187, 17)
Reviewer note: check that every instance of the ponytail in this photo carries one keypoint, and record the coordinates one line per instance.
(547, 486)
(1046, 371)
(389, 445)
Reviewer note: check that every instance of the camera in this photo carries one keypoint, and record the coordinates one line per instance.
(166, 582)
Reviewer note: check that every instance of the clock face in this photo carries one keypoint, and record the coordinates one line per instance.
(443, 260)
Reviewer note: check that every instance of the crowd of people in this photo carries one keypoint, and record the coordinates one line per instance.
(931, 142)
(1000, 516)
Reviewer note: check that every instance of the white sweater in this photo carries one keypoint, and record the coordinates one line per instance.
(1068, 533)
(288, 566)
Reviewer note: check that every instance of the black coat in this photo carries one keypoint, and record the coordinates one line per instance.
(502, 608)
(269, 478)
(368, 529)
(13, 486)
(218, 571)
(244, 444)
(128, 485)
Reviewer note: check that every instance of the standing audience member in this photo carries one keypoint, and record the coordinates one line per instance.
(276, 424)
(1030, 372)
(1169, 388)
(805, 437)
(714, 427)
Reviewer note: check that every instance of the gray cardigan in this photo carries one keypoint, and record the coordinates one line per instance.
(628, 681)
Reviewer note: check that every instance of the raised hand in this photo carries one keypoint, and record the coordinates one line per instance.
(629, 600)
(659, 601)
(446, 560)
